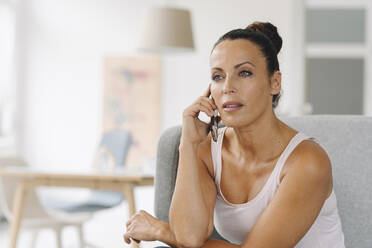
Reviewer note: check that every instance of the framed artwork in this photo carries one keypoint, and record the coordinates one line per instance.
(132, 101)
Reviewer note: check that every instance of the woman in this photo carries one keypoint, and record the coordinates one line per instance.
(262, 183)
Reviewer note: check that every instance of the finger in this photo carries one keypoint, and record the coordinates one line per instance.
(206, 110)
(207, 93)
(195, 109)
(213, 102)
(127, 238)
(129, 222)
(208, 106)
(208, 101)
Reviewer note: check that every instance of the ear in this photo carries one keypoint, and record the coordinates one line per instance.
(275, 82)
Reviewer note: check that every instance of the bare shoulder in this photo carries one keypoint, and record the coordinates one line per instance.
(205, 154)
(309, 159)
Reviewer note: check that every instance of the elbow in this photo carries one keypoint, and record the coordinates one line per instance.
(194, 239)
(187, 236)
(191, 241)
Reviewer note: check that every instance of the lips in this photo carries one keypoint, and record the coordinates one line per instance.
(231, 106)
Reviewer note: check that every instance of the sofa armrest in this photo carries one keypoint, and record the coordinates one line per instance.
(166, 170)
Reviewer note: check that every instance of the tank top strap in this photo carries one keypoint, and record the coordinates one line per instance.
(295, 141)
(216, 150)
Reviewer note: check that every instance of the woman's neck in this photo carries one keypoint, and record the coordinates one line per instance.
(261, 141)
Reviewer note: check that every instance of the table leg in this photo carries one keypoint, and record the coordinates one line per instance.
(18, 204)
(129, 196)
(128, 192)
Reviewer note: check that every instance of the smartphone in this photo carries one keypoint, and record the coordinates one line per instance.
(213, 128)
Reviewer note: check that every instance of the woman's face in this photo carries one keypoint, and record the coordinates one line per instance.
(241, 87)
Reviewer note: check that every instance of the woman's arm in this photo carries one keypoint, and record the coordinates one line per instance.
(297, 202)
(144, 227)
(191, 211)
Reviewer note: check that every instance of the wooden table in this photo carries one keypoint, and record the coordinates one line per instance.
(123, 182)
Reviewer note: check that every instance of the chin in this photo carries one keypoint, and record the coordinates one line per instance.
(231, 123)
(237, 121)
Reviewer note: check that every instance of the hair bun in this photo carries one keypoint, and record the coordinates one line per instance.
(270, 31)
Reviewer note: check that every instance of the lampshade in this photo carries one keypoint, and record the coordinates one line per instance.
(166, 29)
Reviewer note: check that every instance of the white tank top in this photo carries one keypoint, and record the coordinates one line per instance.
(234, 221)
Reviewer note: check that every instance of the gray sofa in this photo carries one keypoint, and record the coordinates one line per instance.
(348, 141)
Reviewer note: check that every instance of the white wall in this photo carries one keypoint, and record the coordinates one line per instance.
(62, 44)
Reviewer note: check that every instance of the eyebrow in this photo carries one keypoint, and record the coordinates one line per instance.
(235, 66)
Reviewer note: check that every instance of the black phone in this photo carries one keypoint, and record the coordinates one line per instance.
(213, 128)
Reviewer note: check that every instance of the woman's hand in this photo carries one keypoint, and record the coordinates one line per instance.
(194, 130)
(142, 226)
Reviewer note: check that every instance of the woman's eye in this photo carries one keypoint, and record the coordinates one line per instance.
(245, 73)
(216, 77)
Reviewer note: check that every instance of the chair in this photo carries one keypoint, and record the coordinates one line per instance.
(348, 142)
(111, 153)
(35, 216)
(57, 213)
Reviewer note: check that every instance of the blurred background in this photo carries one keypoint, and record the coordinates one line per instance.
(53, 72)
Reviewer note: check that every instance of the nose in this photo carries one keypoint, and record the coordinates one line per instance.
(229, 86)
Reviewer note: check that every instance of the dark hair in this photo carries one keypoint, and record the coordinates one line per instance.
(266, 36)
